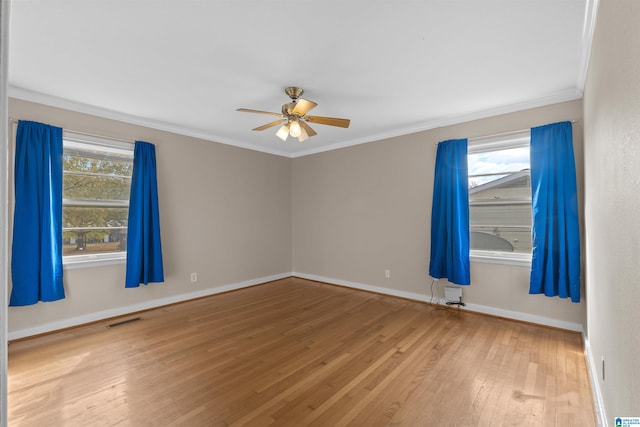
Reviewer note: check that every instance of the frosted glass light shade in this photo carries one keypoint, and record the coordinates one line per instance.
(295, 129)
(283, 132)
(303, 135)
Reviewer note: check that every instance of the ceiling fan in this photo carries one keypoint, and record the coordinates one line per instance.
(294, 117)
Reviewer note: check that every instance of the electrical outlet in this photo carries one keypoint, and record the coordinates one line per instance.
(194, 277)
(387, 274)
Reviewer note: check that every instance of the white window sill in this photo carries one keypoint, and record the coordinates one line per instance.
(86, 261)
(504, 258)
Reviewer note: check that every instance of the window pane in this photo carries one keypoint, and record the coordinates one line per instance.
(500, 200)
(489, 166)
(93, 230)
(94, 217)
(503, 227)
(96, 186)
(91, 179)
(94, 241)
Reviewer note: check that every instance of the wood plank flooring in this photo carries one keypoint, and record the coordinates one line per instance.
(297, 353)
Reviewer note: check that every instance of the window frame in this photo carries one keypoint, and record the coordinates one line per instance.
(486, 144)
(107, 258)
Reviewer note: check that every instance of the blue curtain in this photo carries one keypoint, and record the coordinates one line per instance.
(450, 214)
(144, 249)
(36, 251)
(555, 262)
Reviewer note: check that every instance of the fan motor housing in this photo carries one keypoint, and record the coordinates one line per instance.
(294, 92)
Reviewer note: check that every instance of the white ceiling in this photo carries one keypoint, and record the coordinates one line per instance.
(392, 67)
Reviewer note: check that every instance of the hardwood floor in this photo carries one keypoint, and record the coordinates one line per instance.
(294, 353)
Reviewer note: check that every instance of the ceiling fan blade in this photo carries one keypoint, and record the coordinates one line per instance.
(247, 110)
(269, 125)
(331, 121)
(303, 106)
(307, 128)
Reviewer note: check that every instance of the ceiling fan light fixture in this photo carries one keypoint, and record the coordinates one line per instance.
(294, 128)
(283, 132)
(295, 118)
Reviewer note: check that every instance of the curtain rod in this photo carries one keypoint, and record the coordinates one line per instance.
(93, 135)
(513, 132)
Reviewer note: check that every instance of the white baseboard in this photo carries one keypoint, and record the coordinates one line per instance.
(121, 311)
(525, 317)
(494, 311)
(362, 286)
(595, 384)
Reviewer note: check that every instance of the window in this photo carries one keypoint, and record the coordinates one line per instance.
(500, 197)
(95, 205)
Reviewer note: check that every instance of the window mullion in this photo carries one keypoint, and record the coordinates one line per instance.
(100, 175)
(90, 203)
(92, 228)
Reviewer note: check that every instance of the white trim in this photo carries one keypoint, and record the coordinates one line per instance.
(595, 384)
(591, 11)
(364, 287)
(89, 142)
(564, 96)
(129, 309)
(503, 258)
(75, 262)
(505, 141)
(28, 95)
(499, 312)
(54, 101)
(524, 317)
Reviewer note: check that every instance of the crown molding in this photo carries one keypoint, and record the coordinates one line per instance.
(590, 13)
(28, 95)
(79, 107)
(564, 96)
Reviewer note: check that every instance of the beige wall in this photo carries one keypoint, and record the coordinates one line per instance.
(612, 204)
(237, 216)
(361, 210)
(225, 213)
